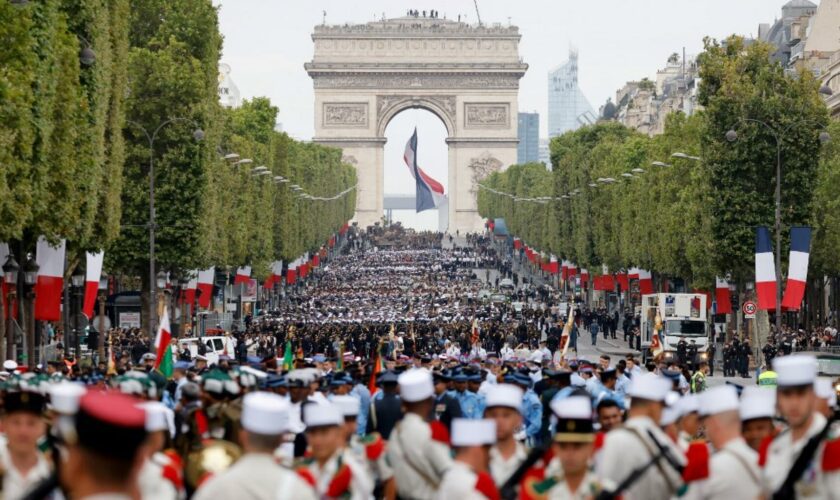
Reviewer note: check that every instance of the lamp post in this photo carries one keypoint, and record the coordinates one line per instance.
(30, 277)
(160, 284)
(78, 280)
(732, 136)
(103, 290)
(198, 135)
(10, 277)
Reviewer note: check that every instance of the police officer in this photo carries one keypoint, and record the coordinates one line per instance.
(470, 404)
(531, 407)
(744, 359)
(814, 476)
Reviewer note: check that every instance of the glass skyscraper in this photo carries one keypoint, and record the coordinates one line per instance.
(568, 108)
(528, 149)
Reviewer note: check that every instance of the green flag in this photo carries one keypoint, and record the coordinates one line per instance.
(287, 357)
(166, 366)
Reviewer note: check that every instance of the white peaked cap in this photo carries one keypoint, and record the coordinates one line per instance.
(155, 416)
(794, 370)
(720, 399)
(573, 407)
(65, 396)
(690, 403)
(507, 395)
(472, 432)
(824, 388)
(349, 405)
(265, 413)
(416, 385)
(10, 365)
(322, 414)
(649, 386)
(757, 402)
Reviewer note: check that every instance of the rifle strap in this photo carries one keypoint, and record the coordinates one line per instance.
(801, 463)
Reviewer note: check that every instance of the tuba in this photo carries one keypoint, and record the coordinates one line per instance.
(214, 457)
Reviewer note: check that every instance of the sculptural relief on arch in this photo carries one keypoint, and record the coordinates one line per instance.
(467, 75)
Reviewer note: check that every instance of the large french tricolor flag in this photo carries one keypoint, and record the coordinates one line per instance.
(205, 284)
(722, 296)
(429, 192)
(93, 271)
(800, 248)
(243, 274)
(50, 283)
(188, 294)
(765, 270)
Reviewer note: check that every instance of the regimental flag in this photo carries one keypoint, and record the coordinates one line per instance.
(50, 283)
(645, 282)
(375, 370)
(93, 271)
(429, 192)
(288, 361)
(765, 270)
(243, 275)
(567, 330)
(722, 297)
(205, 284)
(474, 336)
(656, 346)
(163, 346)
(800, 248)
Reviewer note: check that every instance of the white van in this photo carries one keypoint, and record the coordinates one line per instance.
(215, 347)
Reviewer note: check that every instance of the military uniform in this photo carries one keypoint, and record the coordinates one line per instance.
(470, 404)
(532, 411)
(502, 468)
(15, 485)
(556, 488)
(255, 476)
(419, 453)
(733, 473)
(461, 482)
(341, 476)
(370, 450)
(161, 478)
(822, 477)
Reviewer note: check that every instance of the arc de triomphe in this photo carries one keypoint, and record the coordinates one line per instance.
(468, 75)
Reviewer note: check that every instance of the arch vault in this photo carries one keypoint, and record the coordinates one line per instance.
(467, 75)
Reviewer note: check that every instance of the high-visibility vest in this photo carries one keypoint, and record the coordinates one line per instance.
(767, 378)
(698, 379)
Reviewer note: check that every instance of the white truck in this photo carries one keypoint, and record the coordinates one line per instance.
(684, 317)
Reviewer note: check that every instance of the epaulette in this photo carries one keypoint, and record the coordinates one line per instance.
(831, 456)
(439, 432)
(340, 483)
(374, 446)
(485, 485)
(697, 466)
(305, 474)
(764, 449)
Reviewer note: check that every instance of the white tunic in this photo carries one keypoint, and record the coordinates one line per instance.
(500, 468)
(419, 462)
(361, 484)
(630, 447)
(459, 484)
(814, 483)
(255, 476)
(153, 485)
(733, 473)
(15, 485)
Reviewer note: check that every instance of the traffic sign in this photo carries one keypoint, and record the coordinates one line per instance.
(749, 309)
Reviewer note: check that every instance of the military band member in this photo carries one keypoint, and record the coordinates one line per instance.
(641, 440)
(418, 449)
(504, 403)
(468, 477)
(819, 474)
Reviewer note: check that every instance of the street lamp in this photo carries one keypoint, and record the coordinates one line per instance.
(638, 170)
(660, 164)
(30, 277)
(10, 276)
(684, 156)
(243, 161)
(78, 281)
(103, 290)
(198, 135)
(732, 136)
(231, 156)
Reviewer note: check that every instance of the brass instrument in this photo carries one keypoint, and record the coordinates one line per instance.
(214, 457)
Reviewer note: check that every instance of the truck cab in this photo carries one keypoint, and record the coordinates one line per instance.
(684, 317)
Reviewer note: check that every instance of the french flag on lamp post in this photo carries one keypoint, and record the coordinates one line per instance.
(429, 192)
(243, 274)
(722, 297)
(93, 271)
(205, 285)
(800, 248)
(645, 282)
(50, 282)
(765, 270)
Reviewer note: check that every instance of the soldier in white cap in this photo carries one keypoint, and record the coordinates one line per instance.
(803, 461)
(368, 449)
(568, 475)
(468, 478)
(417, 448)
(689, 420)
(256, 475)
(757, 409)
(504, 403)
(733, 469)
(161, 476)
(640, 441)
(826, 396)
(332, 471)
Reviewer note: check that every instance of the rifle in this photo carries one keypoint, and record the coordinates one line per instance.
(786, 490)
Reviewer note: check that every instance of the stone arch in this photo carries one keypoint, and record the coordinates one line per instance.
(389, 106)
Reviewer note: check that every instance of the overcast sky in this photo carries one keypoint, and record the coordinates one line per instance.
(266, 43)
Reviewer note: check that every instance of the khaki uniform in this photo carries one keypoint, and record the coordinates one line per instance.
(500, 468)
(342, 476)
(255, 476)
(815, 482)
(630, 447)
(733, 473)
(419, 460)
(462, 483)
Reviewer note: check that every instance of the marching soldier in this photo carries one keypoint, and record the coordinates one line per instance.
(447, 407)
(504, 403)
(468, 477)
(803, 461)
(758, 407)
(531, 407)
(640, 441)
(161, 476)
(733, 469)
(191, 422)
(418, 449)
